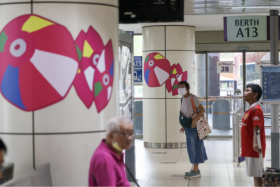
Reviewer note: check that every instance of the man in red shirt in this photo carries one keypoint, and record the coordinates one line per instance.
(253, 121)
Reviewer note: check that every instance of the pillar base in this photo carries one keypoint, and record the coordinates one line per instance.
(165, 145)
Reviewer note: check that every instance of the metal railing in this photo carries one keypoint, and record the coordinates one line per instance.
(237, 116)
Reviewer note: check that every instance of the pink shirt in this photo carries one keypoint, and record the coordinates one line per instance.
(107, 168)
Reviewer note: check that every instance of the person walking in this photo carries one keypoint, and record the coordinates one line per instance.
(195, 146)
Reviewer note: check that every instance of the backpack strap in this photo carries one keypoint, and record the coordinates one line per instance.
(194, 108)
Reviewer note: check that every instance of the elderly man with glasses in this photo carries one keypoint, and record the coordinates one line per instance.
(107, 167)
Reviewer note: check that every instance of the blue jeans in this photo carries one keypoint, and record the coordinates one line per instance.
(195, 147)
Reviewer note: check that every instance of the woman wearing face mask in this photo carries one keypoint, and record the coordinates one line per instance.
(195, 146)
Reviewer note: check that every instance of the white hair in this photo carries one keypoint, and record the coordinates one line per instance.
(113, 124)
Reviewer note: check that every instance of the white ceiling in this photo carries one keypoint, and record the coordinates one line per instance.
(212, 22)
(192, 7)
(207, 15)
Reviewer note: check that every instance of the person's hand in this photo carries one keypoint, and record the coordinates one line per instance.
(257, 148)
(182, 130)
(193, 124)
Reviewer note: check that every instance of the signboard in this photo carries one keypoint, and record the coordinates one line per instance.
(270, 76)
(245, 28)
(138, 66)
(259, 64)
(138, 75)
(225, 67)
(138, 62)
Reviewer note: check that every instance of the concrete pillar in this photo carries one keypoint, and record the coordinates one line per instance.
(160, 108)
(67, 132)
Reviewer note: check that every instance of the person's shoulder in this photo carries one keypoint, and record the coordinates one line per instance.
(256, 108)
(194, 96)
(102, 155)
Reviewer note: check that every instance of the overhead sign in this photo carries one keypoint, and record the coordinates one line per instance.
(245, 28)
(259, 64)
(225, 67)
(270, 76)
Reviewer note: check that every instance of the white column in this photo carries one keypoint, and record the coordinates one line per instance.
(67, 132)
(160, 108)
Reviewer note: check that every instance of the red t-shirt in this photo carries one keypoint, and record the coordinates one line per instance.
(252, 117)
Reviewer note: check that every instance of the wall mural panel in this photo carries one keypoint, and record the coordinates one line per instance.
(157, 71)
(39, 62)
(176, 75)
(94, 81)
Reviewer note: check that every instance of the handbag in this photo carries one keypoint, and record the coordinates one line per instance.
(271, 177)
(202, 126)
(185, 122)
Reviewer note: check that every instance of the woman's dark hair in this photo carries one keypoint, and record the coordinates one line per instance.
(256, 89)
(185, 83)
(2, 146)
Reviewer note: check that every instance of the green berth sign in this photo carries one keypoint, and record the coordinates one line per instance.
(245, 28)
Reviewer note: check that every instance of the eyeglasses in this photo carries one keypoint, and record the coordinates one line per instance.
(125, 134)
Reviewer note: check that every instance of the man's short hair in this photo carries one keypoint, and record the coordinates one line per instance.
(2, 146)
(256, 89)
(114, 123)
(185, 83)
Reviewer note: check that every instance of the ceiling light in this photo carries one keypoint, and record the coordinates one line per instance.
(250, 7)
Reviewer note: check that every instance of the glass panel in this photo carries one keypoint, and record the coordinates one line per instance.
(137, 44)
(125, 80)
(200, 75)
(200, 79)
(138, 91)
(224, 90)
(252, 76)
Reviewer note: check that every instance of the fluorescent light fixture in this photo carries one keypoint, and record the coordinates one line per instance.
(250, 7)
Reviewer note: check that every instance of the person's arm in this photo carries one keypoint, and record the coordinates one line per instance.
(255, 140)
(182, 129)
(200, 113)
(256, 118)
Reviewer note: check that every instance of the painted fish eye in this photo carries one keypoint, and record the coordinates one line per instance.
(106, 79)
(177, 76)
(18, 47)
(95, 59)
(151, 63)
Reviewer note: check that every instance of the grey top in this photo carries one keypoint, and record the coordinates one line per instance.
(186, 107)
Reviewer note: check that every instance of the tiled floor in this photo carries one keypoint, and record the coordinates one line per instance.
(166, 167)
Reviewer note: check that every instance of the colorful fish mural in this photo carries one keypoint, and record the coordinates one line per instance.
(40, 61)
(157, 71)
